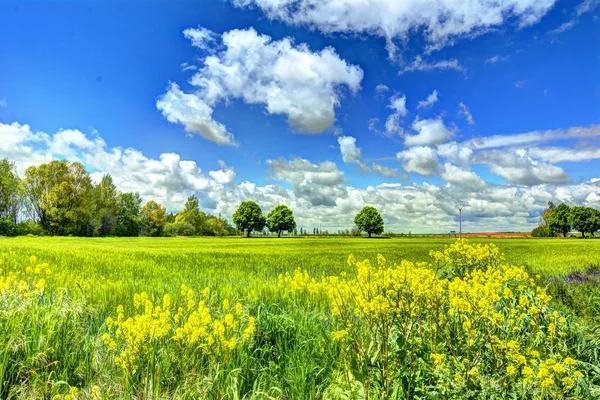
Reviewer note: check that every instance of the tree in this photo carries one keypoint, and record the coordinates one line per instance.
(153, 217)
(193, 216)
(179, 229)
(59, 197)
(369, 220)
(219, 226)
(128, 214)
(545, 217)
(584, 219)
(9, 197)
(540, 231)
(281, 219)
(106, 201)
(559, 219)
(248, 217)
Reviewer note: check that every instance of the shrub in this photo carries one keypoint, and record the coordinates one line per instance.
(29, 228)
(179, 229)
(405, 332)
(541, 231)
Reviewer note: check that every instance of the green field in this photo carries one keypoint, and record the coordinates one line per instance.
(54, 343)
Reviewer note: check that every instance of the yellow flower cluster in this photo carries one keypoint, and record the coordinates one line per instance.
(28, 282)
(493, 317)
(184, 322)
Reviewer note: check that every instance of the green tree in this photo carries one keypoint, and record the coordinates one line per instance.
(179, 229)
(9, 197)
(128, 214)
(369, 220)
(584, 219)
(106, 202)
(559, 219)
(280, 219)
(248, 217)
(153, 218)
(59, 197)
(192, 215)
(219, 226)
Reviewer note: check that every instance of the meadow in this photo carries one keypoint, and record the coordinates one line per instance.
(254, 318)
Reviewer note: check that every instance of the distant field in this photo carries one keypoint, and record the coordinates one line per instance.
(294, 355)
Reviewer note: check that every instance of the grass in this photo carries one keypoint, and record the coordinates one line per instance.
(57, 340)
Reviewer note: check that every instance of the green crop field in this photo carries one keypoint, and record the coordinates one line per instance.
(255, 333)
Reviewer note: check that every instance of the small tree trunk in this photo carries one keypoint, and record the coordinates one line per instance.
(248, 232)
(583, 234)
(369, 234)
(278, 233)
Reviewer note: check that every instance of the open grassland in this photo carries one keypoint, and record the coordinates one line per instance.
(262, 335)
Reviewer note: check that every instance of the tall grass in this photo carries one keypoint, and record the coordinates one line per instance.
(53, 340)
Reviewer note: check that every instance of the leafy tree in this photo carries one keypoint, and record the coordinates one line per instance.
(106, 202)
(153, 217)
(127, 219)
(219, 226)
(193, 216)
(179, 229)
(541, 231)
(248, 217)
(369, 220)
(59, 196)
(559, 219)
(545, 217)
(9, 192)
(281, 219)
(584, 219)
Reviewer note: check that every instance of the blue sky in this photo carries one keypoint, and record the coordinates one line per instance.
(113, 76)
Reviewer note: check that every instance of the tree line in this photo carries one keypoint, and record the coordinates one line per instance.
(60, 198)
(562, 219)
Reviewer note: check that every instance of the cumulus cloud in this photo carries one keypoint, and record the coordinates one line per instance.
(285, 78)
(560, 154)
(350, 153)
(429, 101)
(392, 123)
(440, 22)
(430, 132)
(420, 159)
(317, 192)
(516, 167)
(385, 171)
(460, 176)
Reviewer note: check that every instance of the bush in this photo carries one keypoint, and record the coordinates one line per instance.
(179, 229)
(487, 332)
(541, 231)
(29, 228)
(7, 227)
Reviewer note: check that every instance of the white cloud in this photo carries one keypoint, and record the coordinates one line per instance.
(464, 111)
(384, 171)
(3, 102)
(441, 22)
(195, 115)
(392, 123)
(223, 176)
(583, 8)
(516, 167)
(560, 154)
(202, 38)
(350, 153)
(429, 101)
(420, 159)
(381, 88)
(285, 78)
(534, 137)
(460, 176)
(419, 65)
(496, 59)
(431, 131)
(520, 84)
(318, 193)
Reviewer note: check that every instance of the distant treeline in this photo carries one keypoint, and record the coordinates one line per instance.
(562, 219)
(60, 198)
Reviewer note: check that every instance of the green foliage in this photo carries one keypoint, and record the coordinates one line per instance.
(559, 219)
(181, 228)
(584, 219)
(29, 227)
(127, 217)
(105, 197)
(541, 231)
(369, 220)
(248, 217)
(281, 219)
(9, 193)
(153, 218)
